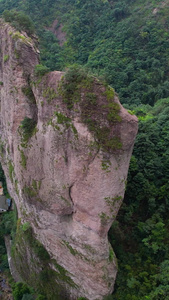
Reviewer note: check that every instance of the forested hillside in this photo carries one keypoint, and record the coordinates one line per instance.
(140, 236)
(127, 43)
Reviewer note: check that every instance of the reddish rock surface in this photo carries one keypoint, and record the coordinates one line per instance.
(58, 179)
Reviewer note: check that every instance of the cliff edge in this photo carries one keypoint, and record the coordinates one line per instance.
(65, 147)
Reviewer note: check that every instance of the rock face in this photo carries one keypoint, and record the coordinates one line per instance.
(65, 154)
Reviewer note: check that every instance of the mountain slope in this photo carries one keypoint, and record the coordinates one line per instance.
(127, 42)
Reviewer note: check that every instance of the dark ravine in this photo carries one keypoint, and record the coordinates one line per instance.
(63, 164)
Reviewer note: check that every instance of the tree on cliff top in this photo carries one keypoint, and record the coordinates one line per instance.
(19, 20)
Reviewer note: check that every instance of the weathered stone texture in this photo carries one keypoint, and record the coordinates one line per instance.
(57, 179)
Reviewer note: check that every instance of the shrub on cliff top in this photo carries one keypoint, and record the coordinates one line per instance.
(19, 20)
(41, 70)
(73, 79)
(95, 100)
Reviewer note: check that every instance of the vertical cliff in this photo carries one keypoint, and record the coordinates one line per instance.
(66, 144)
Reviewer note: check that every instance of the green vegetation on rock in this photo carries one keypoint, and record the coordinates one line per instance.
(19, 20)
(6, 57)
(23, 159)
(41, 70)
(37, 271)
(78, 88)
(28, 92)
(11, 170)
(27, 129)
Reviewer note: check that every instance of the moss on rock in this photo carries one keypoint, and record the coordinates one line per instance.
(99, 109)
(34, 264)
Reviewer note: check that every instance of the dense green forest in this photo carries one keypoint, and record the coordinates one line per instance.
(140, 235)
(127, 43)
